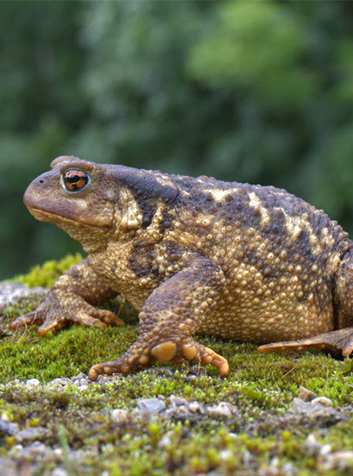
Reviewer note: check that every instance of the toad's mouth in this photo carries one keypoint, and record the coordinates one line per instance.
(57, 218)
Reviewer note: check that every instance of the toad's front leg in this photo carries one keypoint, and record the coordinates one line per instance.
(170, 317)
(72, 299)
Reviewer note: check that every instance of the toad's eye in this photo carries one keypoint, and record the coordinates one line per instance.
(75, 180)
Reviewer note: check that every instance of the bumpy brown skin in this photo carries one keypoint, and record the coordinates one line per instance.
(240, 261)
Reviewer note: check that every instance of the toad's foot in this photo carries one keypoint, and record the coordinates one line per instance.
(333, 342)
(140, 356)
(52, 316)
(72, 299)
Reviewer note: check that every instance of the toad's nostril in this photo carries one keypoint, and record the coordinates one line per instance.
(41, 181)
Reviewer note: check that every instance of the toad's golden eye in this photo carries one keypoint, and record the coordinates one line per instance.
(75, 180)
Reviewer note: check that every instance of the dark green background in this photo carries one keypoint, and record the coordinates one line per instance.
(249, 91)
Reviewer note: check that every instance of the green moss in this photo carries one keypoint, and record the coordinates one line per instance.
(264, 381)
(47, 273)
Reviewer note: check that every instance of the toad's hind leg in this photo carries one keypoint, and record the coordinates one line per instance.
(336, 341)
(340, 341)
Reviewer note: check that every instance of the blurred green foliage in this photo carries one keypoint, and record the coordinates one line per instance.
(247, 91)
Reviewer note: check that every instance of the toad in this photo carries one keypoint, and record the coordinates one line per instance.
(193, 255)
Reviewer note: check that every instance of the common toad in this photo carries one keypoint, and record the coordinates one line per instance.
(194, 255)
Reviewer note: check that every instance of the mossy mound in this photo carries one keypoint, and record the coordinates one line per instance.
(77, 428)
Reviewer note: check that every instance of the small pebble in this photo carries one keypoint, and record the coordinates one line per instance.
(247, 458)
(274, 463)
(8, 428)
(31, 434)
(59, 472)
(59, 382)
(325, 450)
(320, 407)
(194, 407)
(340, 460)
(118, 414)
(327, 402)
(80, 376)
(289, 470)
(33, 382)
(312, 446)
(305, 394)
(151, 405)
(164, 442)
(4, 417)
(223, 409)
(225, 454)
(177, 401)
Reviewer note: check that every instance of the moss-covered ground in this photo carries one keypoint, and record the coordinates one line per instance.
(83, 435)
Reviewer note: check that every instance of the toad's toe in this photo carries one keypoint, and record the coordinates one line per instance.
(164, 352)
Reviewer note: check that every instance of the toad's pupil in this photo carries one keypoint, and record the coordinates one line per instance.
(75, 180)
